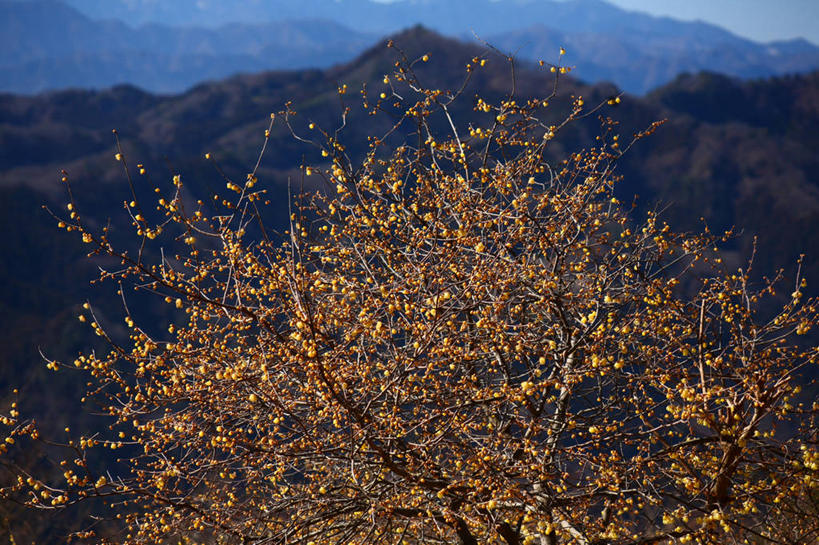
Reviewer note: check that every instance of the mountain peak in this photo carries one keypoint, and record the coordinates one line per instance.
(47, 44)
(413, 43)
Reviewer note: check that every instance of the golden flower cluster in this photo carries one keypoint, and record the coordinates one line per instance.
(461, 340)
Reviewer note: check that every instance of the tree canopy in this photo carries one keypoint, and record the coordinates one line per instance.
(459, 339)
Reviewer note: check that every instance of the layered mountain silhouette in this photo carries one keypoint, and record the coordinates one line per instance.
(736, 153)
(170, 46)
(726, 140)
(639, 61)
(46, 44)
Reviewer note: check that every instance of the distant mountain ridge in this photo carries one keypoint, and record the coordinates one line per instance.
(46, 44)
(52, 44)
(446, 16)
(639, 62)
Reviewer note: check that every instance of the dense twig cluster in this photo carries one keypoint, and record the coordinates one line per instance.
(459, 340)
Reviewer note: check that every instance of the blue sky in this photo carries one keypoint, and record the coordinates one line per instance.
(761, 20)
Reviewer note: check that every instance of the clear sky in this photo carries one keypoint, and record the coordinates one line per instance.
(760, 20)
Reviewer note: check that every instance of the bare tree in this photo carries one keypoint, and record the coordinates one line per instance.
(460, 340)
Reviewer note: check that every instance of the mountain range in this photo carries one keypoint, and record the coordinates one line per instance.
(168, 47)
(736, 153)
(50, 45)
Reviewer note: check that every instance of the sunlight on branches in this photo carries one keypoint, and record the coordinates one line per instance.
(459, 339)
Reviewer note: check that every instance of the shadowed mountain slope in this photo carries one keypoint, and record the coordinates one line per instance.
(724, 137)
